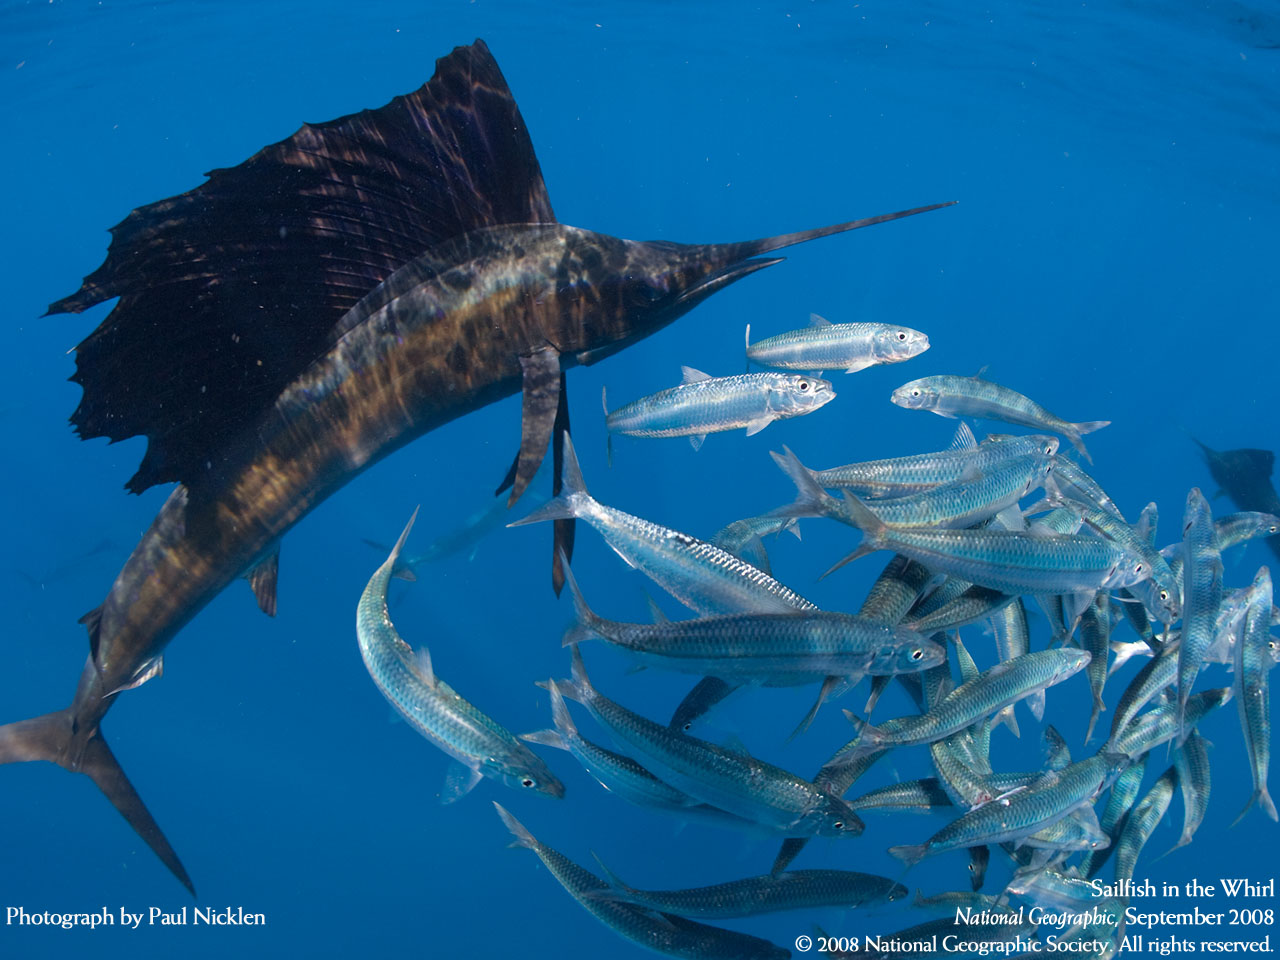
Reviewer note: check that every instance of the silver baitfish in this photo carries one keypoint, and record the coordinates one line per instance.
(672, 935)
(1023, 813)
(621, 775)
(704, 404)
(1254, 657)
(952, 396)
(1160, 724)
(1010, 561)
(1142, 822)
(836, 346)
(900, 476)
(771, 893)
(959, 503)
(1201, 595)
(705, 578)
(728, 779)
(986, 694)
(481, 747)
(762, 648)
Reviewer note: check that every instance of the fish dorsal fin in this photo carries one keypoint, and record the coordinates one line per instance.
(420, 664)
(1059, 753)
(93, 624)
(817, 321)
(262, 579)
(655, 611)
(690, 375)
(228, 291)
(981, 370)
(964, 438)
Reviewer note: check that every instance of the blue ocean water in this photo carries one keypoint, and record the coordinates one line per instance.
(1113, 254)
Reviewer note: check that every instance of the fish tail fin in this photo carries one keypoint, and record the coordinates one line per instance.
(811, 500)
(563, 687)
(404, 535)
(868, 740)
(581, 683)
(584, 627)
(1078, 429)
(910, 854)
(1091, 426)
(560, 716)
(573, 493)
(872, 528)
(51, 737)
(1262, 798)
(523, 838)
(563, 730)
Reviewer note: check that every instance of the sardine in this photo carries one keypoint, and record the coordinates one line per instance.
(951, 396)
(703, 577)
(481, 746)
(1202, 595)
(1255, 655)
(751, 896)
(994, 689)
(704, 404)
(901, 476)
(1025, 812)
(1142, 822)
(778, 649)
(724, 778)
(836, 346)
(669, 934)
(1010, 561)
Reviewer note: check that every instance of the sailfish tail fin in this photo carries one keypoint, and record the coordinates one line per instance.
(52, 738)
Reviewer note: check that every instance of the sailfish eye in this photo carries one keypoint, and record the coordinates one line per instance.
(1273, 528)
(649, 292)
(839, 824)
(528, 782)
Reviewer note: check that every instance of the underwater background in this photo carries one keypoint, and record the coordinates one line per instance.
(1113, 255)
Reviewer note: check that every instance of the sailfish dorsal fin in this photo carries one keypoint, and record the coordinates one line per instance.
(228, 291)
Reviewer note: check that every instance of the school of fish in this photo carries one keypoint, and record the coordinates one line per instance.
(980, 532)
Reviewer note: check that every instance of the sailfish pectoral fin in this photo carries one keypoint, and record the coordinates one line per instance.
(541, 400)
(562, 545)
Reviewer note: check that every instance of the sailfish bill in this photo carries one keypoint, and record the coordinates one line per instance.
(300, 316)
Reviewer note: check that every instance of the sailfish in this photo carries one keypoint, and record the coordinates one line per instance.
(296, 318)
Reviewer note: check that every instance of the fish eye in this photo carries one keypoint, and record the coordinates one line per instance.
(839, 824)
(528, 782)
(915, 393)
(688, 726)
(902, 335)
(1164, 595)
(1138, 568)
(917, 654)
(1273, 528)
(803, 386)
